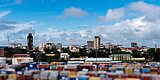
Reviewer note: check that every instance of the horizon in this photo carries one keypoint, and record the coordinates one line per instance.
(78, 21)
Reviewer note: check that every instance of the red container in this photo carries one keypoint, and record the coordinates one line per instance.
(70, 69)
(91, 75)
(59, 68)
(28, 77)
(46, 66)
(133, 76)
(146, 66)
(104, 68)
(112, 76)
(146, 78)
(2, 78)
(124, 76)
(20, 77)
(85, 66)
(154, 69)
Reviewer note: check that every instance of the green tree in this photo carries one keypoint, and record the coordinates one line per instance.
(136, 54)
(154, 54)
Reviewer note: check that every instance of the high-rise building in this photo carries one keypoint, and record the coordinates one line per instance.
(41, 46)
(1, 52)
(59, 47)
(30, 41)
(90, 44)
(134, 45)
(96, 42)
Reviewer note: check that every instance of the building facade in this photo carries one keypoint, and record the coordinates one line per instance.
(90, 44)
(121, 57)
(1, 52)
(96, 42)
(134, 45)
(30, 41)
(59, 47)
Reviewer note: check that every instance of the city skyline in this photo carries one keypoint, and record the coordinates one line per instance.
(65, 21)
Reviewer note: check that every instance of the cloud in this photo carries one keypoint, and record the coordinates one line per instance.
(15, 31)
(4, 13)
(132, 10)
(72, 12)
(7, 3)
(113, 15)
(6, 25)
(149, 10)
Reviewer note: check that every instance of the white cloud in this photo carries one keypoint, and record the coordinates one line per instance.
(72, 12)
(15, 31)
(144, 8)
(132, 10)
(121, 32)
(113, 15)
(4, 13)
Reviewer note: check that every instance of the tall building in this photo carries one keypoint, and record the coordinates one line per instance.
(41, 46)
(30, 41)
(96, 42)
(1, 52)
(134, 45)
(59, 47)
(90, 44)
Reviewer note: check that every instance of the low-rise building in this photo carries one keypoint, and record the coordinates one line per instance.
(21, 58)
(121, 57)
(64, 55)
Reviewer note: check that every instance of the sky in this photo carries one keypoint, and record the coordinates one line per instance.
(78, 21)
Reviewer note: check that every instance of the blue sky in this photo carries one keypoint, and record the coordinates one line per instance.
(117, 21)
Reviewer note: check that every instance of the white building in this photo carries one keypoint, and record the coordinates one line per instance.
(64, 55)
(98, 59)
(19, 60)
(41, 47)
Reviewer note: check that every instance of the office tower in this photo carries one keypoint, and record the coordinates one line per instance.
(90, 44)
(41, 46)
(1, 52)
(30, 41)
(59, 47)
(134, 45)
(96, 42)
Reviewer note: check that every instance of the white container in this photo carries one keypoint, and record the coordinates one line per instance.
(64, 73)
(119, 72)
(27, 73)
(2, 60)
(81, 73)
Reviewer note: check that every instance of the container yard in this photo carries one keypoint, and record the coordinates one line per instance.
(79, 71)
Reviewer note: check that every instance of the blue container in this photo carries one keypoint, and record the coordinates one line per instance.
(72, 78)
(121, 69)
(101, 75)
(83, 77)
(63, 63)
(108, 66)
(145, 70)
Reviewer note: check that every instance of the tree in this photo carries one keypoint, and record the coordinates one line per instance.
(136, 54)
(154, 54)
(83, 52)
(56, 56)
